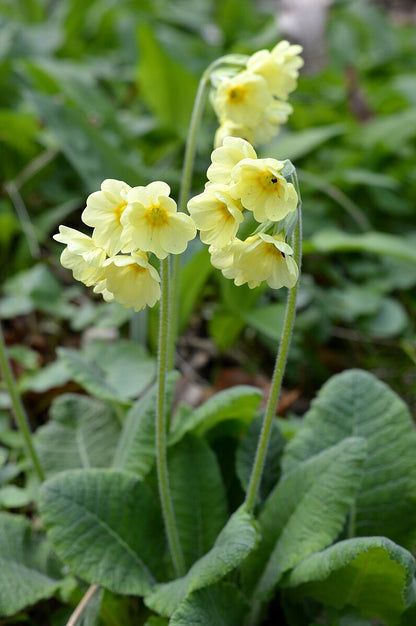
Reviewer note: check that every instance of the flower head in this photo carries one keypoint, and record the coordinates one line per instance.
(259, 258)
(216, 214)
(242, 99)
(224, 158)
(269, 126)
(260, 186)
(131, 280)
(151, 222)
(103, 212)
(279, 68)
(82, 256)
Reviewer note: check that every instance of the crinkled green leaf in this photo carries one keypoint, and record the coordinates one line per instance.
(305, 513)
(136, 448)
(356, 403)
(246, 452)
(221, 604)
(82, 432)
(372, 574)
(29, 571)
(198, 496)
(114, 372)
(233, 544)
(239, 402)
(106, 526)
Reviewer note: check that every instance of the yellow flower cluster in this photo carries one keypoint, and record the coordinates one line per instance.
(238, 182)
(133, 221)
(253, 103)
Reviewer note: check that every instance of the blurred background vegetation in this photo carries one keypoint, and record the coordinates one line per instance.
(104, 89)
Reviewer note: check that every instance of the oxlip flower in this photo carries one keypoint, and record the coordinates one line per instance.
(151, 222)
(261, 188)
(103, 212)
(279, 68)
(216, 214)
(224, 158)
(266, 257)
(269, 126)
(132, 280)
(259, 258)
(81, 255)
(242, 99)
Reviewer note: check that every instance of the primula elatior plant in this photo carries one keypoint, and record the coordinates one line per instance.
(211, 515)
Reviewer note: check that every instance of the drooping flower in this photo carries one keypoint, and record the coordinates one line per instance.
(151, 222)
(261, 188)
(216, 214)
(279, 68)
(242, 99)
(269, 126)
(132, 280)
(82, 256)
(224, 158)
(259, 258)
(103, 212)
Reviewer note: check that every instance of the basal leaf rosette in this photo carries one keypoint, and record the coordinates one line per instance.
(252, 103)
(243, 189)
(136, 221)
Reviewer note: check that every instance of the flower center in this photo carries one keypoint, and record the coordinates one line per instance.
(269, 181)
(118, 211)
(224, 212)
(236, 95)
(156, 216)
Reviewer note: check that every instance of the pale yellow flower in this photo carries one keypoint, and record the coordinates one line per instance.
(242, 99)
(279, 68)
(131, 280)
(224, 158)
(103, 212)
(151, 222)
(269, 126)
(259, 258)
(82, 256)
(101, 288)
(216, 215)
(259, 185)
(223, 258)
(227, 128)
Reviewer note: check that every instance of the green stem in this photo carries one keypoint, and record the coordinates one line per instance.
(18, 408)
(279, 369)
(161, 427)
(185, 185)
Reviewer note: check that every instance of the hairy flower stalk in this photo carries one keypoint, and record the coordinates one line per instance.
(279, 369)
(161, 459)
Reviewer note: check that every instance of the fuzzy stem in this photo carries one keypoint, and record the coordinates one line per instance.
(279, 369)
(18, 408)
(161, 458)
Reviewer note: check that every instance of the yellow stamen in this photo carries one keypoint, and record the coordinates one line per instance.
(236, 94)
(156, 216)
(269, 181)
